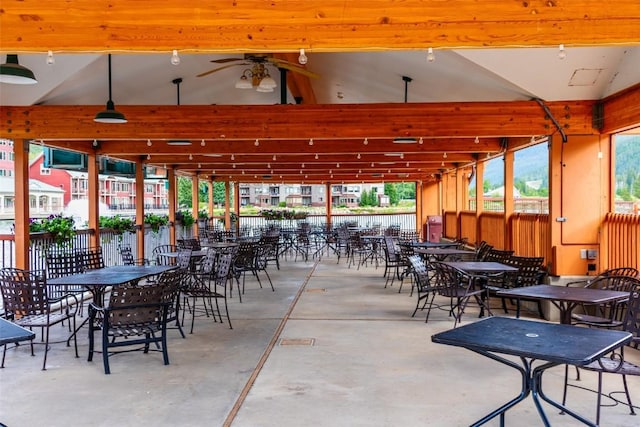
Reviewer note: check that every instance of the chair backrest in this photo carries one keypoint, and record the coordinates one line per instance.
(208, 263)
(632, 318)
(246, 255)
(193, 244)
(61, 263)
(390, 246)
(482, 250)
(23, 292)
(530, 270)
(223, 265)
(622, 271)
(446, 278)
(497, 255)
(91, 258)
(420, 272)
(126, 254)
(163, 260)
(133, 305)
(184, 259)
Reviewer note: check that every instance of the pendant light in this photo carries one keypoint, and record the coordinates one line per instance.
(110, 115)
(13, 73)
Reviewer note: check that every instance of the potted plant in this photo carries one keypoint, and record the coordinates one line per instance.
(156, 221)
(61, 228)
(118, 224)
(185, 218)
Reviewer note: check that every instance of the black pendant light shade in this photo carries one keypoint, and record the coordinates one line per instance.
(13, 73)
(110, 115)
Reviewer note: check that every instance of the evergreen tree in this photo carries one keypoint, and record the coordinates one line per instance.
(390, 190)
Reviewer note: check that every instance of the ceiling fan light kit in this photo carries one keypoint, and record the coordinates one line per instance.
(13, 73)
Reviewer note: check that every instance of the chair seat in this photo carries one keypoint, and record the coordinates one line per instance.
(132, 330)
(613, 365)
(40, 320)
(595, 320)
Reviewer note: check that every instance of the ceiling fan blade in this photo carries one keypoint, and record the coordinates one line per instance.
(296, 69)
(206, 73)
(225, 60)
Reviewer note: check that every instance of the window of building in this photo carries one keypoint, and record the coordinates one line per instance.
(45, 171)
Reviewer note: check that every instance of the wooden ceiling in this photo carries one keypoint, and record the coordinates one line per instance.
(311, 143)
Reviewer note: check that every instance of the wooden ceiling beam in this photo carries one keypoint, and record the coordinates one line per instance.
(299, 122)
(316, 25)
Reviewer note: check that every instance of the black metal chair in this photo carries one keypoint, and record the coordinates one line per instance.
(608, 315)
(193, 244)
(64, 262)
(392, 260)
(26, 300)
(459, 287)
(135, 316)
(426, 292)
(126, 253)
(617, 362)
(163, 260)
(209, 283)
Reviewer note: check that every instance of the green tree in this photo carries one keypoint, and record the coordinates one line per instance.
(364, 198)
(184, 191)
(635, 187)
(218, 193)
(390, 190)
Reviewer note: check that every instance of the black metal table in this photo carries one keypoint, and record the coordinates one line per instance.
(439, 253)
(564, 298)
(10, 332)
(481, 267)
(553, 344)
(99, 279)
(433, 244)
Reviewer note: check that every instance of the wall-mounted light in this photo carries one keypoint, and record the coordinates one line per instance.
(256, 143)
(476, 141)
(311, 141)
(50, 59)
(366, 141)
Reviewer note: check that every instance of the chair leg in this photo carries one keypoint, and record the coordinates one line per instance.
(105, 349)
(46, 350)
(626, 390)
(4, 353)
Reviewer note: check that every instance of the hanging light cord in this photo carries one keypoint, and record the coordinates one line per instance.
(109, 58)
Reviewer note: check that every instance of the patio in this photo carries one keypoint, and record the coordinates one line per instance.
(330, 347)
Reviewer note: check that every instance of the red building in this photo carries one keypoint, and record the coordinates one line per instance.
(116, 192)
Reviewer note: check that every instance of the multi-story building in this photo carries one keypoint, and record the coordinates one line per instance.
(116, 192)
(292, 195)
(6, 157)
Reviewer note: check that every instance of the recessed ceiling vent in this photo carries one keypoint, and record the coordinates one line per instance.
(585, 77)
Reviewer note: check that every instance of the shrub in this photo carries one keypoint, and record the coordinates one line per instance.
(61, 228)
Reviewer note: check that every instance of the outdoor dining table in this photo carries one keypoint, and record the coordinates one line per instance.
(96, 281)
(440, 253)
(563, 297)
(221, 245)
(552, 344)
(433, 244)
(481, 267)
(10, 332)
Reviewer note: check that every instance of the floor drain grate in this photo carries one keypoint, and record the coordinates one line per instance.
(316, 290)
(297, 341)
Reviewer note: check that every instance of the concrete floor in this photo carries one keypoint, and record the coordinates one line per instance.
(330, 347)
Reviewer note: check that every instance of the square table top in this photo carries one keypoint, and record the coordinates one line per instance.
(111, 276)
(442, 251)
(552, 342)
(10, 332)
(564, 293)
(481, 266)
(433, 244)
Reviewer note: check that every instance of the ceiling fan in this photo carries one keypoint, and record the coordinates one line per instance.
(257, 74)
